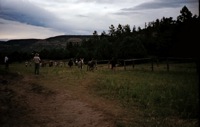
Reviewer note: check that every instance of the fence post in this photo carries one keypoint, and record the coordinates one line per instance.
(167, 64)
(152, 64)
(198, 71)
(133, 64)
(124, 65)
(157, 62)
(96, 64)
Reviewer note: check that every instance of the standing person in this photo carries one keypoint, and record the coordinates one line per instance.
(6, 62)
(36, 60)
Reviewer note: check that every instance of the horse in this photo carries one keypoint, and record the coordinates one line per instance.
(70, 63)
(80, 63)
(91, 65)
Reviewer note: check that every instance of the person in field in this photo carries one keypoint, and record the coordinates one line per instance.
(36, 60)
(6, 62)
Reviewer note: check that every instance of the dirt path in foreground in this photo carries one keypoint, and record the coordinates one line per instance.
(62, 110)
(42, 107)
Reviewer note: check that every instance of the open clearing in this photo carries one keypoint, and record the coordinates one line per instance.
(47, 100)
(64, 97)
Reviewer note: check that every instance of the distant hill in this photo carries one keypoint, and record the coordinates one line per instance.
(29, 45)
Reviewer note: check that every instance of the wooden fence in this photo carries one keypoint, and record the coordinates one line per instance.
(153, 62)
(168, 61)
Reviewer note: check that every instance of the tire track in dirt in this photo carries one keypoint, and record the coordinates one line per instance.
(62, 109)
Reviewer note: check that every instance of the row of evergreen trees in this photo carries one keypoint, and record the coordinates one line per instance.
(161, 38)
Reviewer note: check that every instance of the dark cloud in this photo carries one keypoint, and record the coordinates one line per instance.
(28, 13)
(16, 30)
(23, 12)
(159, 4)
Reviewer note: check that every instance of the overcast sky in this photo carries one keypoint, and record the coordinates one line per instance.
(21, 19)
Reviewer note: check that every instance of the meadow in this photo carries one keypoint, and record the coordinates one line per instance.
(149, 98)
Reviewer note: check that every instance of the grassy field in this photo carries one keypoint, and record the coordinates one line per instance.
(164, 98)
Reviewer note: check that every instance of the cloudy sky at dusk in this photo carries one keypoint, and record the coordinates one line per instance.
(46, 18)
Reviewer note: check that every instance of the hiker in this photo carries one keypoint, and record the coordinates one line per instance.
(36, 60)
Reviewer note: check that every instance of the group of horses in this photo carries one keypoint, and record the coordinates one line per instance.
(91, 65)
(79, 63)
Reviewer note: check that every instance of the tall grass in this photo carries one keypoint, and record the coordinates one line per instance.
(159, 93)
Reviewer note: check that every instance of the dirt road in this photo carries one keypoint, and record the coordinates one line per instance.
(30, 104)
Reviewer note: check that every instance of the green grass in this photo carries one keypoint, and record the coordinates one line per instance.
(159, 94)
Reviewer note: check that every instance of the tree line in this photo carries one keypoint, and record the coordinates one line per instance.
(164, 37)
